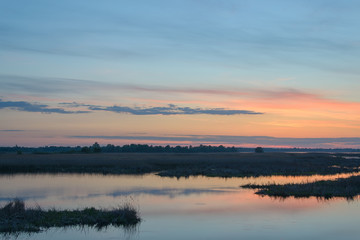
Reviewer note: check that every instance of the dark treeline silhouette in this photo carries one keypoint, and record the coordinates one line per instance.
(145, 148)
(129, 148)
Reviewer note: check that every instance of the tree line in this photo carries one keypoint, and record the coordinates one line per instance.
(128, 148)
(145, 148)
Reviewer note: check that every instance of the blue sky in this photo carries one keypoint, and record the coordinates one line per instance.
(204, 55)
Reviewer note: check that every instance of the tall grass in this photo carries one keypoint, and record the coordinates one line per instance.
(181, 165)
(14, 217)
(347, 188)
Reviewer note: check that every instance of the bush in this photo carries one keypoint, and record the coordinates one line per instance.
(85, 149)
(259, 150)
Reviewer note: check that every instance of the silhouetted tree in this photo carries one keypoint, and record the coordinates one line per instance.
(259, 150)
(109, 148)
(96, 148)
(85, 149)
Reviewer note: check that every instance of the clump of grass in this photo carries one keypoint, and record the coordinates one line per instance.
(15, 218)
(347, 188)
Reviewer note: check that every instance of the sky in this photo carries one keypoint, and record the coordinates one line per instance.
(245, 73)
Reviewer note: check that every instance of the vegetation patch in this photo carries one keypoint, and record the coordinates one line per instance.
(225, 164)
(343, 187)
(15, 218)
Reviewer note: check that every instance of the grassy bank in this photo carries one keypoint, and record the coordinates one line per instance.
(342, 187)
(14, 218)
(182, 164)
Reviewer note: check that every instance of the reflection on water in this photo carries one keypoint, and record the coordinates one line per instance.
(349, 157)
(192, 208)
(77, 190)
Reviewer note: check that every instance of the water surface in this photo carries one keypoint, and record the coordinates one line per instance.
(187, 208)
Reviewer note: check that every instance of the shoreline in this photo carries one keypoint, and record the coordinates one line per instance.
(224, 165)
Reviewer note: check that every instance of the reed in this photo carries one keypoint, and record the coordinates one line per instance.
(181, 164)
(347, 188)
(14, 217)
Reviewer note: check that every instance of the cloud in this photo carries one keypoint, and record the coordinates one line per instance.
(255, 98)
(167, 110)
(172, 110)
(30, 107)
(244, 92)
(48, 85)
(11, 130)
(44, 85)
(206, 32)
(76, 105)
(239, 140)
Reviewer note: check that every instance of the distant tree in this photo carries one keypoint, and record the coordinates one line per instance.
(167, 148)
(109, 148)
(259, 150)
(85, 149)
(221, 148)
(96, 148)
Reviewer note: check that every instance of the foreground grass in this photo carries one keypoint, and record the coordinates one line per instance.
(343, 187)
(15, 218)
(182, 164)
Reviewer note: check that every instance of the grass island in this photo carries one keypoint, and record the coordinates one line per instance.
(14, 218)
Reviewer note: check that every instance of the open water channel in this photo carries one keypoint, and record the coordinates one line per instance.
(186, 208)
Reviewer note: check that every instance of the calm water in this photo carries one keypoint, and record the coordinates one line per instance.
(193, 208)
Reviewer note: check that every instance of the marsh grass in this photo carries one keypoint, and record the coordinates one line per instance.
(182, 164)
(15, 218)
(347, 188)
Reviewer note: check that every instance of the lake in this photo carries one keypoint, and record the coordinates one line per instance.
(186, 208)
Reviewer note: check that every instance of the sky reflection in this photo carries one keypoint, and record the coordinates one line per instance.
(76, 190)
(191, 208)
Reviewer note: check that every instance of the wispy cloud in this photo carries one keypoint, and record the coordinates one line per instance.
(31, 107)
(172, 110)
(45, 85)
(255, 98)
(282, 93)
(169, 109)
(76, 105)
(277, 35)
(11, 130)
